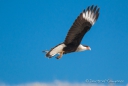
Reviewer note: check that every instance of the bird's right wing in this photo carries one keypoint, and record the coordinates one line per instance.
(81, 25)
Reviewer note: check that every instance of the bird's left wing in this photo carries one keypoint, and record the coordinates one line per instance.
(81, 25)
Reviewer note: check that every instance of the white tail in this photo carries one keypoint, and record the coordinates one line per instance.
(56, 50)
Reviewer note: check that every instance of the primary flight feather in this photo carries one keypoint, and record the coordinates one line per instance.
(80, 27)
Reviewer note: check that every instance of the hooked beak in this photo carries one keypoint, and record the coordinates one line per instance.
(88, 48)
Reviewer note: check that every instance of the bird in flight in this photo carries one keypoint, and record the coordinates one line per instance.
(80, 27)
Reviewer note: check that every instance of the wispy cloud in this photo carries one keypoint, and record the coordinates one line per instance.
(58, 83)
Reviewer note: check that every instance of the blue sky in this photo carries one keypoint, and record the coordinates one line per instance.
(29, 26)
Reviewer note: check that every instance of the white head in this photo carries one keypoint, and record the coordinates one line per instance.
(83, 48)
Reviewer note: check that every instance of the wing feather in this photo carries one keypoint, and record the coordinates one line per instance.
(82, 25)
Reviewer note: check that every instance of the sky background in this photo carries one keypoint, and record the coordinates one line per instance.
(29, 26)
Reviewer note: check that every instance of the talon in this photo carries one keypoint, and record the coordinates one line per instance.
(61, 54)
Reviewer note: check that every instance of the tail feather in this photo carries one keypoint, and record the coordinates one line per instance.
(45, 51)
(56, 50)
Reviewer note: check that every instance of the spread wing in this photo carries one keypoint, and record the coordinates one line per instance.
(82, 24)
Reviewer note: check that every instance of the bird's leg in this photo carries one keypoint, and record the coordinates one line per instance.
(60, 55)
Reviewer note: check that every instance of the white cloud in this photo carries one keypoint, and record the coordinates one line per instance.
(58, 83)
